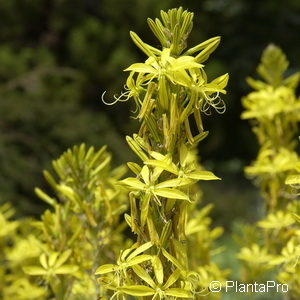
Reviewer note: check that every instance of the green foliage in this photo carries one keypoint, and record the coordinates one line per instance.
(168, 89)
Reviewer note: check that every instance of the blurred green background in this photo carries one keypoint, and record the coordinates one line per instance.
(58, 56)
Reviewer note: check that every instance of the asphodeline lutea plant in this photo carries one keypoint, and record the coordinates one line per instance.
(168, 89)
(274, 109)
(83, 226)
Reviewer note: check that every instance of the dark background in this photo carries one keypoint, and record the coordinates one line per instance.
(58, 56)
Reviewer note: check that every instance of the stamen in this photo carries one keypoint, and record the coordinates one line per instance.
(106, 103)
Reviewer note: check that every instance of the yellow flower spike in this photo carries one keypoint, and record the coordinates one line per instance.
(170, 88)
